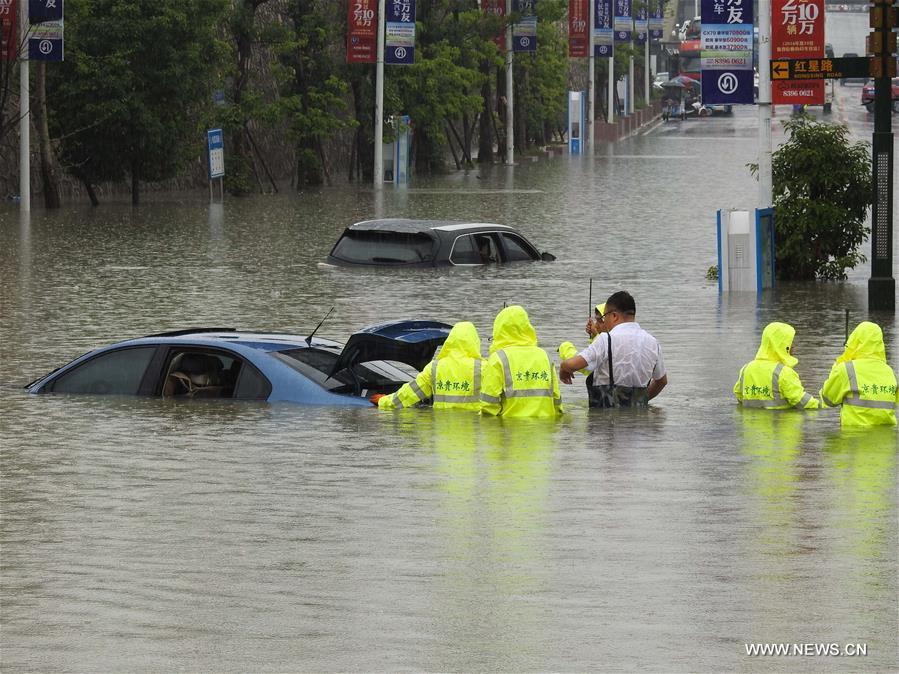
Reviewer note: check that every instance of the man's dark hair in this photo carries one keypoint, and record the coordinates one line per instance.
(621, 301)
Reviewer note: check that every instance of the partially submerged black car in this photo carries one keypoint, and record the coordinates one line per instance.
(399, 242)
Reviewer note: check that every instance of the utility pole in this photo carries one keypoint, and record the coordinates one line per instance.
(510, 89)
(882, 286)
(378, 177)
(24, 114)
(766, 197)
(591, 81)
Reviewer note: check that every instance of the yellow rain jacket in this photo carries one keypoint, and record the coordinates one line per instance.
(519, 378)
(451, 381)
(770, 381)
(568, 350)
(862, 382)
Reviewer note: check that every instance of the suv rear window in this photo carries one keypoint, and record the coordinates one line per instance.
(377, 247)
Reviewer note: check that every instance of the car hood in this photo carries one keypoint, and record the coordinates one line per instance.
(409, 342)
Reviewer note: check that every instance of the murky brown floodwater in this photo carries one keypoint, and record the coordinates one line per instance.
(149, 535)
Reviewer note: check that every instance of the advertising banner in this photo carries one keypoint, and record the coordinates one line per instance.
(641, 26)
(603, 34)
(726, 54)
(797, 31)
(497, 8)
(362, 31)
(624, 22)
(656, 21)
(8, 31)
(45, 37)
(524, 33)
(399, 32)
(578, 36)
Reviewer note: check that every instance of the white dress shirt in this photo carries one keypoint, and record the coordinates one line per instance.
(636, 356)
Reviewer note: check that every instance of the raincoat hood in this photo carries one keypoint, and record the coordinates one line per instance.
(866, 341)
(512, 328)
(601, 308)
(463, 342)
(777, 339)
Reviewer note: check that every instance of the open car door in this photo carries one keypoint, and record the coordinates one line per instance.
(411, 342)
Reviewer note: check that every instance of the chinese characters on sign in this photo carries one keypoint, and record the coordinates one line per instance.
(726, 56)
(362, 31)
(45, 37)
(624, 24)
(524, 33)
(215, 142)
(797, 32)
(8, 32)
(578, 18)
(603, 35)
(497, 8)
(399, 32)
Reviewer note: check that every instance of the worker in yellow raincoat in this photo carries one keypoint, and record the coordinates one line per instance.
(519, 378)
(770, 381)
(451, 381)
(861, 382)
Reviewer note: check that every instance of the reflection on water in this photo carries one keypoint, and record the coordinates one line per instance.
(213, 536)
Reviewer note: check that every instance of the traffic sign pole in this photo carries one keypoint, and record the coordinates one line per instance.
(24, 115)
(766, 197)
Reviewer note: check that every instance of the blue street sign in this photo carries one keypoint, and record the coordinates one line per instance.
(215, 141)
(524, 33)
(726, 52)
(624, 22)
(40, 11)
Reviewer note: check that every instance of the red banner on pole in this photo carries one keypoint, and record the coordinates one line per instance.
(362, 31)
(8, 31)
(578, 36)
(797, 32)
(497, 8)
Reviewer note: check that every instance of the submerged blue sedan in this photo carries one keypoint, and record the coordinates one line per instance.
(226, 363)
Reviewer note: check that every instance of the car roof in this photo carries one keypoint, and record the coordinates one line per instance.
(263, 341)
(423, 226)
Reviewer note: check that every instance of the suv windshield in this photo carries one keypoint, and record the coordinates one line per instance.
(380, 247)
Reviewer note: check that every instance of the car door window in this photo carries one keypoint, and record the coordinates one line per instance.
(113, 373)
(211, 373)
(464, 251)
(487, 247)
(517, 249)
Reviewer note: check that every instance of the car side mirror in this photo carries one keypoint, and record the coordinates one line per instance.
(547, 257)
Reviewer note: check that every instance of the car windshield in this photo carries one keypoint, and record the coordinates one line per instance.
(367, 246)
(376, 375)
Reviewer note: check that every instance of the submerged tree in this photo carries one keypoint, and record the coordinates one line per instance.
(822, 191)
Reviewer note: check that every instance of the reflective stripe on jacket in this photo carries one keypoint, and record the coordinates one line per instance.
(773, 386)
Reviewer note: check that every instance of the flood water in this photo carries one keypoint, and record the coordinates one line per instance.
(150, 535)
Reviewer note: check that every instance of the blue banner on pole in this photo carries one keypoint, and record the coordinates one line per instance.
(624, 22)
(524, 33)
(726, 52)
(641, 26)
(656, 20)
(603, 34)
(215, 142)
(399, 32)
(45, 35)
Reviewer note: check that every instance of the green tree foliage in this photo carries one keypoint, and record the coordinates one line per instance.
(822, 191)
(127, 99)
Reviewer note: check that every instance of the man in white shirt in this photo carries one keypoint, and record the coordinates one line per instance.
(626, 361)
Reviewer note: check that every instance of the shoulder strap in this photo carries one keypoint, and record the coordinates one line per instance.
(611, 373)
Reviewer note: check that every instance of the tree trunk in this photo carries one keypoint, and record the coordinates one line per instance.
(48, 160)
(449, 142)
(485, 133)
(89, 188)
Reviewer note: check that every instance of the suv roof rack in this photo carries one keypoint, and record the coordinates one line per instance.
(190, 331)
